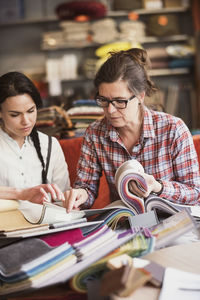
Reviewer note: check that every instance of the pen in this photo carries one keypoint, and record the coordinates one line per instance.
(190, 289)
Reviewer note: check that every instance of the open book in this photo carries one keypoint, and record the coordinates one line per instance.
(12, 218)
(133, 170)
(38, 219)
(49, 218)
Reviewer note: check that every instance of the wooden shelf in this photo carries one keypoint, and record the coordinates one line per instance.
(110, 14)
(145, 40)
(30, 21)
(155, 72)
(148, 11)
(71, 45)
(78, 79)
(169, 72)
(171, 38)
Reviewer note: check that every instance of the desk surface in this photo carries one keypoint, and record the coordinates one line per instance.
(184, 257)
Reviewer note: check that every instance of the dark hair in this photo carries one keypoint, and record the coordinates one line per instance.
(131, 66)
(14, 84)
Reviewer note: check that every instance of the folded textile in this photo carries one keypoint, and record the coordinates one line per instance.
(132, 30)
(156, 53)
(104, 31)
(137, 246)
(73, 26)
(41, 279)
(32, 256)
(111, 217)
(131, 170)
(186, 62)
(180, 50)
(90, 244)
(85, 110)
(87, 102)
(58, 238)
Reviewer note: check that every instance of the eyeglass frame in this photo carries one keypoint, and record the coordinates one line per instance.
(125, 101)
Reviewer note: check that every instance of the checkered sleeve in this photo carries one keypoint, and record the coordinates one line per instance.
(184, 187)
(89, 170)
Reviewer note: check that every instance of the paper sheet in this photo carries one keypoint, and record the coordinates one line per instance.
(180, 285)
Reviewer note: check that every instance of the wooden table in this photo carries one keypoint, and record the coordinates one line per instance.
(185, 257)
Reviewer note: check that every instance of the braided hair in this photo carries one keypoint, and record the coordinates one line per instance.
(14, 84)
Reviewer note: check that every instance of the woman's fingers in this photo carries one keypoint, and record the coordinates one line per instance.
(70, 197)
(59, 194)
(44, 196)
(51, 190)
(54, 190)
(74, 198)
(133, 188)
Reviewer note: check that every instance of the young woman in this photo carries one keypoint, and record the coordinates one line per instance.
(23, 150)
(160, 142)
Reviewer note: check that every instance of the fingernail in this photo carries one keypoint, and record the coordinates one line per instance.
(61, 196)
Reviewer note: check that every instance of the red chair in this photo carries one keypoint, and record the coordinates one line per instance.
(196, 140)
(71, 149)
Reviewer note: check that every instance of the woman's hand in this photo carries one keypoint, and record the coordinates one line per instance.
(152, 186)
(74, 198)
(39, 194)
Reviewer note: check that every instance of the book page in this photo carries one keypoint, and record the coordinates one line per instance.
(131, 170)
(156, 202)
(7, 205)
(172, 228)
(50, 213)
(180, 285)
(13, 220)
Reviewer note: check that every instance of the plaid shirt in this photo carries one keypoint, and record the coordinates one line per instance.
(165, 150)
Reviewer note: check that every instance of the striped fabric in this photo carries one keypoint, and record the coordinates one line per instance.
(131, 170)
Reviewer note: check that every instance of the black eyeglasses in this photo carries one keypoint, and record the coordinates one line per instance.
(118, 103)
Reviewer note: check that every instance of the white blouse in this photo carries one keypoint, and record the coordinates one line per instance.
(21, 168)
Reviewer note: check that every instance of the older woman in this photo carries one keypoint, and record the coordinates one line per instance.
(161, 142)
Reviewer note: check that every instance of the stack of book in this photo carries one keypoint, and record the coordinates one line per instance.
(45, 245)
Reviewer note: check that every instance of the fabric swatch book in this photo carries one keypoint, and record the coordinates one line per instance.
(12, 219)
(49, 218)
(139, 245)
(173, 228)
(40, 219)
(45, 265)
(133, 170)
(30, 257)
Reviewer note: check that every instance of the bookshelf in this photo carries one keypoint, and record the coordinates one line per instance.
(26, 43)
